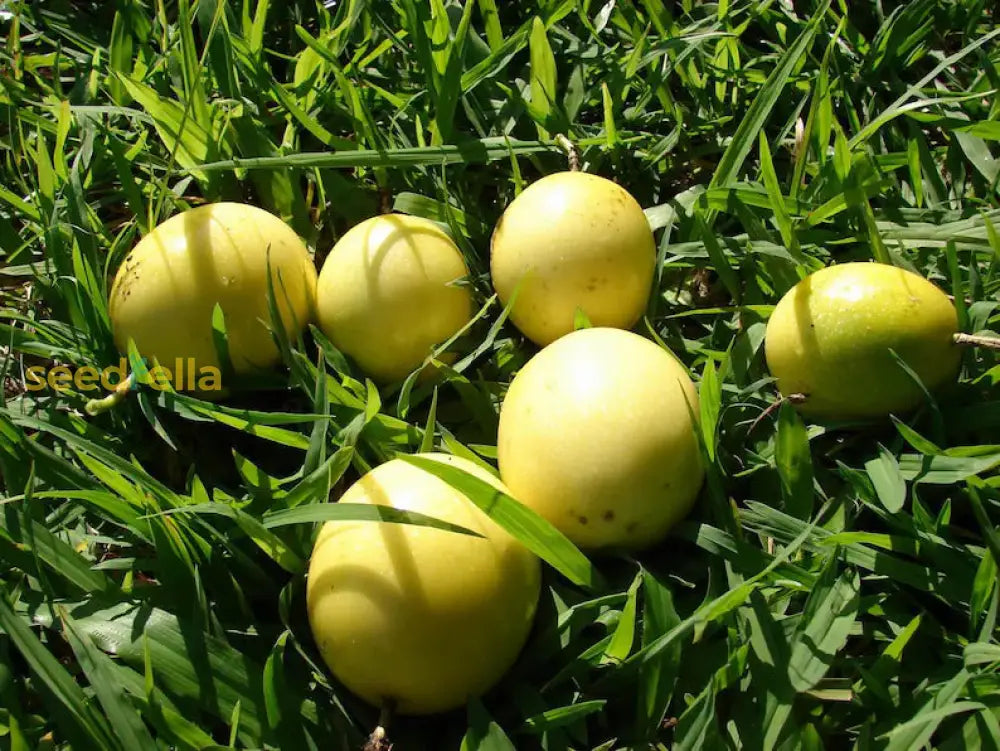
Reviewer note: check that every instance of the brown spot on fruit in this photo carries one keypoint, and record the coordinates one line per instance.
(583, 519)
(609, 515)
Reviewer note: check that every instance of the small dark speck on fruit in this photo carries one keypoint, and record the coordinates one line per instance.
(632, 527)
(609, 515)
(583, 520)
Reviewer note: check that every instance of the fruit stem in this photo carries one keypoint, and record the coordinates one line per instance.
(95, 407)
(791, 399)
(385, 200)
(572, 155)
(974, 340)
(378, 740)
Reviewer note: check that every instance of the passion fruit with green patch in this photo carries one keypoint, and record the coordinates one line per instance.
(836, 340)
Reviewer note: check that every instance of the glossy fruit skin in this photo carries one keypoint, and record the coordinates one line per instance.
(421, 617)
(578, 241)
(164, 292)
(829, 338)
(387, 293)
(596, 436)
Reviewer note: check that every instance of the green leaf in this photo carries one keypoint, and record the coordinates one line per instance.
(978, 653)
(491, 23)
(220, 341)
(720, 262)
(624, 634)
(66, 701)
(793, 458)
(183, 137)
(945, 470)
(467, 152)
(916, 732)
(902, 104)
(484, 734)
(323, 512)
(534, 532)
(608, 105)
(656, 676)
(247, 424)
(710, 402)
(255, 41)
(543, 73)
(781, 215)
(129, 731)
(315, 487)
(739, 148)
(694, 728)
(829, 616)
(562, 716)
(501, 56)
(890, 487)
(190, 664)
(273, 546)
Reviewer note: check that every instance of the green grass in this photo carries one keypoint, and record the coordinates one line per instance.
(836, 586)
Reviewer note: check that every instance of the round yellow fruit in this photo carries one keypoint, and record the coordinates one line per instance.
(388, 293)
(829, 338)
(166, 289)
(596, 436)
(577, 241)
(418, 617)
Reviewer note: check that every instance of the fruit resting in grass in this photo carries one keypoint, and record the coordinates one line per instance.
(388, 293)
(166, 289)
(577, 241)
(418, 617)
(596, 436)
(831, 339)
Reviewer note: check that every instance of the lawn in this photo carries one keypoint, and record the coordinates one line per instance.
(836, 585)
